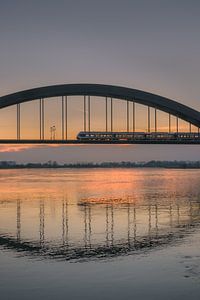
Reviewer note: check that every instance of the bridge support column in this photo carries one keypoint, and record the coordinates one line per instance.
(190, 127)
(155, 120)
(88, 113)
(84, 113)
(62, 118)
(40, 109)
(41, 119)
(127, 115)
(106, 114)
(66, 117)
(169, 123)
(18, 121)
(177, 129)
(111, 114)
(148, 120)
(133, 116)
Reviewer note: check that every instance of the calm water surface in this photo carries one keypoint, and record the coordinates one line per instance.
(100, 234)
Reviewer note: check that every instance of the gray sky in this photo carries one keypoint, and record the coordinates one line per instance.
(152, 45)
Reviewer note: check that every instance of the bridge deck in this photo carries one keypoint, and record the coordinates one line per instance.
(121, 142)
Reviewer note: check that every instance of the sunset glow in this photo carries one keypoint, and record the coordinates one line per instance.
(100, 150)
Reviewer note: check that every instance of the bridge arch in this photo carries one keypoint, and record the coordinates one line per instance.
(117, 92)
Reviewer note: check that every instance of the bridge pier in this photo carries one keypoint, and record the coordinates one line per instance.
(66, 117)
(133, 116)
(169, 123)
(41, 108)
(127, 115)
(148, 120)
(18, 121)
(62, 117)
(111, 114)
(155, 120)
(190, 127)
(84, 113)
(177, 129)
(106, 114)
(89, 113)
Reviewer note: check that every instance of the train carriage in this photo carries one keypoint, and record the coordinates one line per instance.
(130, 136)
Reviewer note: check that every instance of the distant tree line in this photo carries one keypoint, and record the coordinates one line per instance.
(123, 164)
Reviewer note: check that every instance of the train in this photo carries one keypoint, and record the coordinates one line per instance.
(130, 136)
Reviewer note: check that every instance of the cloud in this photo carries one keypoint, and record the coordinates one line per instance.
(19, 148)
(16, 148)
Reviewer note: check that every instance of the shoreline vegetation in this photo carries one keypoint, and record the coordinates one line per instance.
(123, 164)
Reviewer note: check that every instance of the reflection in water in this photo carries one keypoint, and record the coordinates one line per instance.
(65, 228)
(91, 214)
(41, 223)
(147, 227)
(18, 220)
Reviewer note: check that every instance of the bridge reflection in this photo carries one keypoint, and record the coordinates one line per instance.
(107, 228)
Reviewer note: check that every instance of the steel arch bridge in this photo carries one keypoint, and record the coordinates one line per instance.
(109, 93)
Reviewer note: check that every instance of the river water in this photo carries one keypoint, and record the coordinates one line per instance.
(100, 234)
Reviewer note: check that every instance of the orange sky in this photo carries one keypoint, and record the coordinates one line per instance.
(97, 45)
